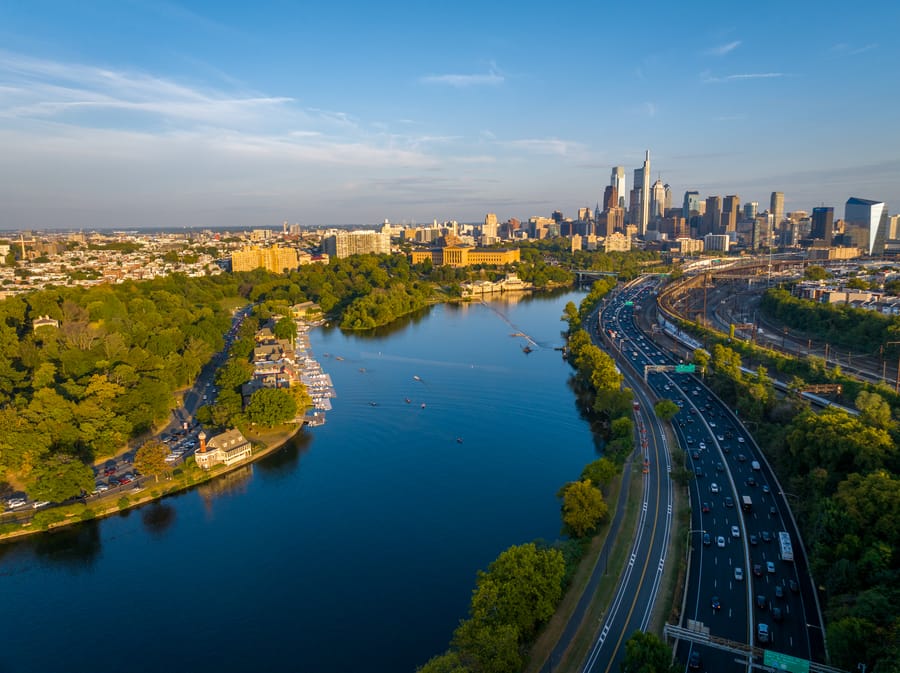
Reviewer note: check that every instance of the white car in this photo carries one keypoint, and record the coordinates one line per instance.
(702, 446)
(40, 503)
(720, 542)
(714, 487)
(738, 573)
(740, 440)
(735, 531)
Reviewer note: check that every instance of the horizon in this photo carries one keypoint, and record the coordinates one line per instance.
(158, 114)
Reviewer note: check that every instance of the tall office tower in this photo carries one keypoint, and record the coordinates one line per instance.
(489, 229)
(712, 220)
(610, 197)
(751, 208)
(893, 227)
(618, 181)
(691, 205)
(668, 199)
(645, 195)
(822, 224)
(776, 207)
(657, 201)
(730, 209)
(866, 222)
(634, 204)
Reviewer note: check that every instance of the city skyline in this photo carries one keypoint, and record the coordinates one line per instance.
(154, 114)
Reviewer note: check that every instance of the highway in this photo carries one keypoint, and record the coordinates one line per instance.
(721, 455)
(641, 578)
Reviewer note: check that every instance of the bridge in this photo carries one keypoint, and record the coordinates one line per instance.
(584, 275)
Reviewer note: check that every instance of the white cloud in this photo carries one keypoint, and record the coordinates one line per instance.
(723, 49)
(490, 78)
(709, 78)
(552, 146)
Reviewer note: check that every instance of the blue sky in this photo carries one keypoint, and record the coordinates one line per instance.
(132, 113)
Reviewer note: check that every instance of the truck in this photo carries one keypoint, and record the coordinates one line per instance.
(746, 503)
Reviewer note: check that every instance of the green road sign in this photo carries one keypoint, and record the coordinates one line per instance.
(685, 369)
(629, 303)
(785, 662)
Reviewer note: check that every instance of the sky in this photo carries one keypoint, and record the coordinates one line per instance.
(145, 113)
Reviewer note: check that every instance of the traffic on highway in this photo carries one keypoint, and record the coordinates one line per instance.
(745, 582)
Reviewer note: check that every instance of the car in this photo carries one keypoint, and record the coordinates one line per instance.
(757, 569)
(695, 455)
(779, 591)
(721, 438)
(740, 440)
(762, 633)
(792, 585)
(738, 573)
(113, 482)
(714, 487)
(726, 448)
(754, 540)
(729, 501)
(698, 472)
(720, 541)
(12, 503)
(761, 602)
(773, 511)
(766, 488)
(715, 603)
(720, 467)
(777, 615)
(109, 471)
(124, 480)
(695, 662)
(702, 446)
(742, 458)
(712, 424)
(751, 481)
(129, 476)
(770, 567)
(704, 508)
(706, 540)
(735, 531)
(766, 536)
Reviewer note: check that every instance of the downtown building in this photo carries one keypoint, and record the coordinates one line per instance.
(865, 224)
(342, 244)
(275, 259)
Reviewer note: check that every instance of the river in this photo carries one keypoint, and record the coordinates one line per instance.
(356, 546)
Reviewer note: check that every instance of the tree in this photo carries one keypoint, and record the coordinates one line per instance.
(666, 410)
(701, 359)
(874, 410)
(488, 648)
(600, 472)
(646, 653)
(448, 662)
(151, 459)
(59, 477)
(285, 328)
(583, 507)
(269, 407)
(815, 273)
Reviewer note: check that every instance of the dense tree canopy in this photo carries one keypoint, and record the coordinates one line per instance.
(269, 407)
(583, 507)
(150, 459)
(60, 477)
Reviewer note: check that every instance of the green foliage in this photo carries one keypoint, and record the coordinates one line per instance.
(448, 662)
(58, 477)
(583, 507)
(123, 502)
(151, 459)
(269, 407)
(815, 273)
(487, 647)
(646, 653)
(46, 518)
(285, 328)
(570, 315)
(601, 471)
(665, 410)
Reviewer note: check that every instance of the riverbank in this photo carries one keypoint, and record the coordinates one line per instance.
(147, 490)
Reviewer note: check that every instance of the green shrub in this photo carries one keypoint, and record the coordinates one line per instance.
(124, 501)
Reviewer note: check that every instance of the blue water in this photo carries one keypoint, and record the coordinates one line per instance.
(353, 548)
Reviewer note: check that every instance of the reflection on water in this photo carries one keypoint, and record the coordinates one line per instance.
(230, 483)
(285, 460)
(75, 547)
(158, 517)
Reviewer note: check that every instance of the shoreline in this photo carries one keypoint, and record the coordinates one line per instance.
(146, 493)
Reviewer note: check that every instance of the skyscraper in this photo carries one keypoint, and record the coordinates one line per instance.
(751, 208)
(645, 195)
(657, 201)
(776, 207)
(822, 224)
(691, 204)
(617, 180)
(713, 217)
(866, 222)
(730, 209)
(610, 197)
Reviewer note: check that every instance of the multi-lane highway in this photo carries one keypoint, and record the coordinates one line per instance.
(641, 579)
(739, 586)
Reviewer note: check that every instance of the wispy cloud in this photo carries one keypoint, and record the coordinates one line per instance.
(709, 78)
(552, 146)
(850, 50)
(490, 78)
(723, 49)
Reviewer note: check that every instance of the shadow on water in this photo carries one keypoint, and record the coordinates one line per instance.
(75, 547)
(285, 460)
(584, 400)
(158, 518)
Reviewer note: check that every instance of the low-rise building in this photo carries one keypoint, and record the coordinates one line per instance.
(227, 448)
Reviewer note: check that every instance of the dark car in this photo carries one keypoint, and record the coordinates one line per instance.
(754, 540)
(773, 511)
(792, 585)
(706, 540)
(777, 614)
(113, 482)
(705, 508)
(715, 603)
(109, 470)
(779, 591)
(751, 481)
(766, 536)
(720, 467)
(742, 458)
(698, 472)
(761, 601)
(757, 569)
(695, 455)
(729, 502)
